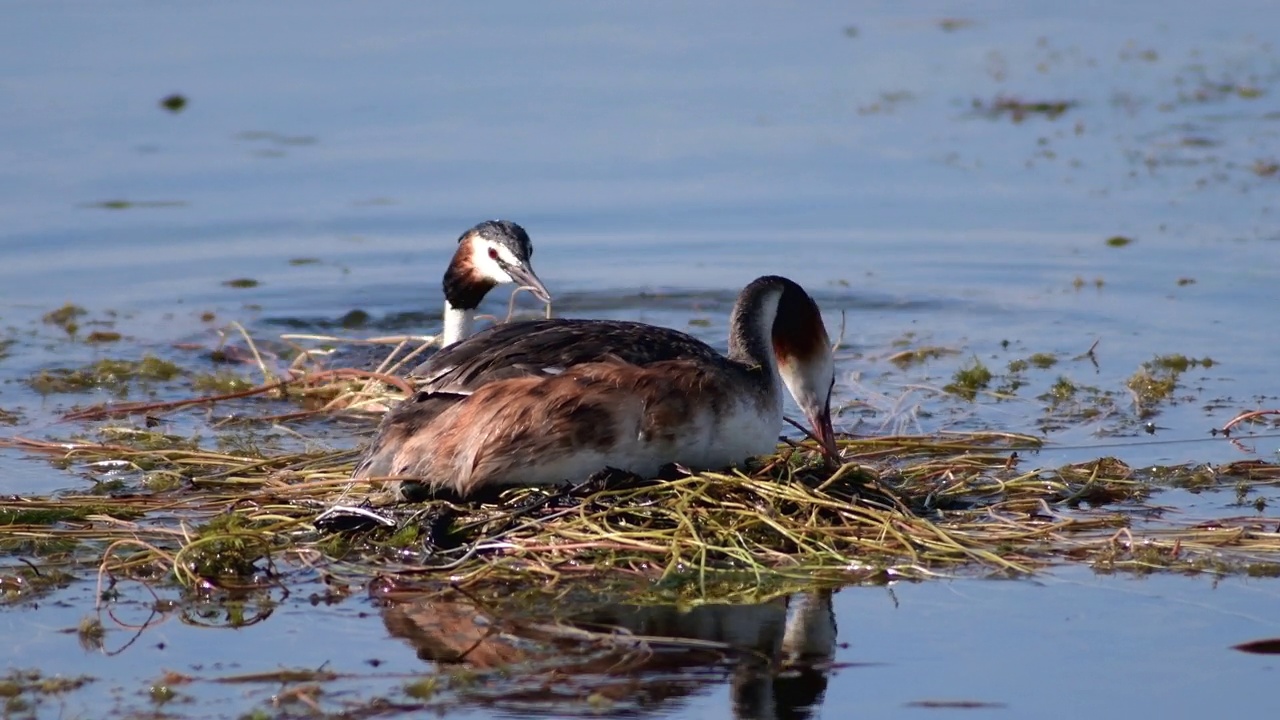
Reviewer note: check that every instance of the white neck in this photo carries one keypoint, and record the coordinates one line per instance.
(458, 325)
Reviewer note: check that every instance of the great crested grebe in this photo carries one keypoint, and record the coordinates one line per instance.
(549, 401)
(494, 252)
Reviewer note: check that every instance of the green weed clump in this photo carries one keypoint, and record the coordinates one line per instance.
(969, 380)
(108, 374)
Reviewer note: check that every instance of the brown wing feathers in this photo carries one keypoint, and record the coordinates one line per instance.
(507, 425)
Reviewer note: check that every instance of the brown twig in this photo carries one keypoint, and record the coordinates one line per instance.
(1249, 415)
(101, 412)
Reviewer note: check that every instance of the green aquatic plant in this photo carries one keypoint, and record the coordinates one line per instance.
(920, 355)
(1043, 361)
(1156, 380)
(969, 379)
(44, 514)
(1062, 390)
(1017, 109)
(66, 317)
(174, 103)
(227, 546)
(221, 382)
(108, 374)
(98, 337)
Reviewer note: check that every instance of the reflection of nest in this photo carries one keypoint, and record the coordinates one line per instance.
(640, 657)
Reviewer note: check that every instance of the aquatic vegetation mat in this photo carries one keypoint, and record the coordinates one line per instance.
(900, 507)
(253, 499)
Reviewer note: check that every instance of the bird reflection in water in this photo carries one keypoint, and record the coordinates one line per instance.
(628, 658)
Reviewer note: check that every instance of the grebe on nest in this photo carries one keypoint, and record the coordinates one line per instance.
(493, 253)
(548, 401)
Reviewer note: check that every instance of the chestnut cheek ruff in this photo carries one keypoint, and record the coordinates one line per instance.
(799, 335)
(464, 285)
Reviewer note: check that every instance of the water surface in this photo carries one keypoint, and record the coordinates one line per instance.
(661, 156)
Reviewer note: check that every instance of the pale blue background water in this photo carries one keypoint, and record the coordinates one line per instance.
(658, 147)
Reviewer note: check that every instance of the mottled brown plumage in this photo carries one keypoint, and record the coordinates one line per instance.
(596, 409)
(540, 348)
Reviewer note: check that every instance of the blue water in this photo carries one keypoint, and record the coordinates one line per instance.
(661, 155)
(1071, 644)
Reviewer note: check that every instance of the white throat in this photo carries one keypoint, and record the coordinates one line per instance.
(458, 325)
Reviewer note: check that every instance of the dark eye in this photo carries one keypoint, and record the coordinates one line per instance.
(493, 253)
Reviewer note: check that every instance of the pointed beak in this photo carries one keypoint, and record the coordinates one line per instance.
(525, 277)
(820, 421)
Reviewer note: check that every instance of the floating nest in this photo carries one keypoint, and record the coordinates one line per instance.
(907, 506)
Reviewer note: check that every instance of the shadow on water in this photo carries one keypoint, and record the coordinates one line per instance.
(673, 304)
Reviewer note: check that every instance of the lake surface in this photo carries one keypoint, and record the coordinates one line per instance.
(661, 156)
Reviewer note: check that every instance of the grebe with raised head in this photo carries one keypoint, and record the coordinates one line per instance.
(550, 401)
(493, 253)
